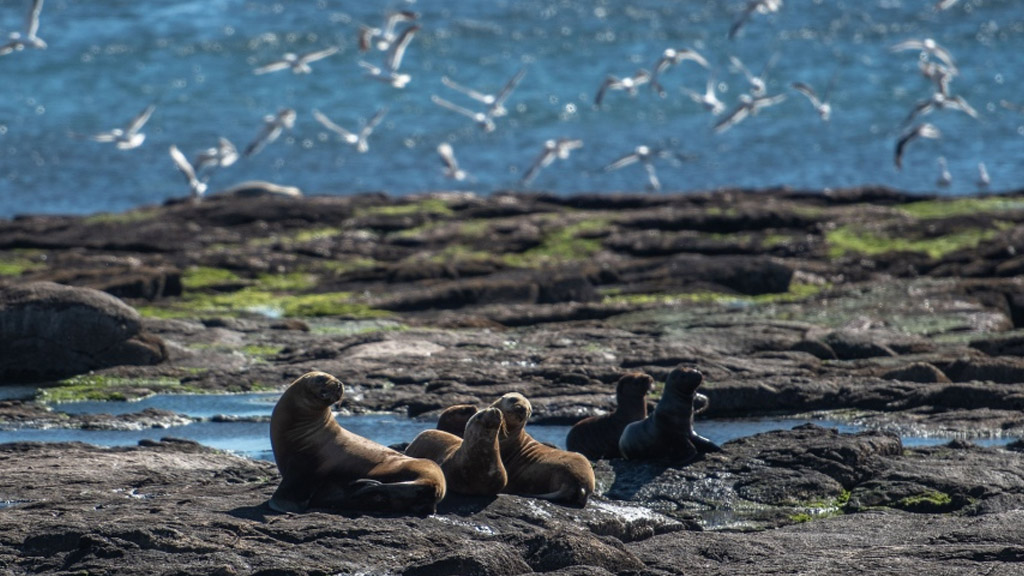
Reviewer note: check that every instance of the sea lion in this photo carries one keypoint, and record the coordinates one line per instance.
(597, 437)
(668, 432)
(453, 419)
(323, 465)
(472, 464)
(536, 469)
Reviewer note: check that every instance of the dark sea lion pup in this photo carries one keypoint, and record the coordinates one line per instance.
(472, 464)
(597, 437)
(536, 469)
(323, 465)
(453, 419)
(668, 432)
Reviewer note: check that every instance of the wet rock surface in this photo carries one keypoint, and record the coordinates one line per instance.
(896, 313)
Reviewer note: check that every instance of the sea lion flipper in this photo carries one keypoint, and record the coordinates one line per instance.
(292, 495)
(704, 445)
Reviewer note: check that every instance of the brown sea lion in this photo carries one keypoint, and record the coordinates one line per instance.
(453, 419)
(536, 469)
(472, 465)
(597, 437)
(323, 465)
(668, 432)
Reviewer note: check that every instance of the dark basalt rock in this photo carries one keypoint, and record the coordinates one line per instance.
(50, 331)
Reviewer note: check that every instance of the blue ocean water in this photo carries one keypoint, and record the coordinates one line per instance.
(194, 60)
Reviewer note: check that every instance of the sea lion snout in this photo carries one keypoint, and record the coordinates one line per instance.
(324, 386)
(686, 379)
(489, 418)
(515, 408)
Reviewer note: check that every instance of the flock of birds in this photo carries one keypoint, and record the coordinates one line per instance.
(393, 37)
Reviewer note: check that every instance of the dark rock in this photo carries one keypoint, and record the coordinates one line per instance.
(921, 372)
(49, 331)
(849, 345)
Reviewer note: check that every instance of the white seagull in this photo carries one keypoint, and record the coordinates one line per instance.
(646, 156)
(927, 47)
(298, 63)
(553, 149)
(128, 137)
(945, 177)
(748, 106)
(709, 99)
(924, 130)
(360, 140)
(758, 84)
(389, 73)
(495, 103)
(754, 6)
(273, 125)
(18, 41)
(222, 155)
(196, 187)
(942, 101)
(385, 36)
(451, 166)
(673, 57)
(483, 119)
(821, 106)
(629, 84)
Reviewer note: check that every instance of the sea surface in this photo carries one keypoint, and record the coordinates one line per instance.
(194, 60)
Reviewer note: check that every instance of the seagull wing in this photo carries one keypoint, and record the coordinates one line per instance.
(456, 108)
(182, 163)
(737, 115)
(652, 176)
(474, 94)
(272, 67)
(608, 83)
(807, 91)
(372, 123)
(620, 162)
(32, 22)
(330, 125)
(318, 55)
(444, 150)
(139, 121)
(506, 91)
(397, 51)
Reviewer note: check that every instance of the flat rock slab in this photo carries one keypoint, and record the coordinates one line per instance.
(176, 507)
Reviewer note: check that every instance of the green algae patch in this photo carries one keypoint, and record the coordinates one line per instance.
(931, 501)
(130, 217)
(431, 206)
(570, 243)
(330, 304)
(99, 387)
(199, 277)
(936, 209)
(857, 240)
(291, 282)
(797, 291)
(18, 262)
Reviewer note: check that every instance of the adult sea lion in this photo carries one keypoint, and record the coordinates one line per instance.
(597, 437)
(472, 464)
(536, 469)
(668, 432)
(453, 419)
(323, 465)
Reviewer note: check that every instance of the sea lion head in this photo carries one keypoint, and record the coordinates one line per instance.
(634, 385)
(683, 381)
(485, 422)
(454, 419)
(318, 390)
(515, 409)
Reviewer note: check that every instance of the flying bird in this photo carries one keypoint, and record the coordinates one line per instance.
(821, 106)
(393, 60)
(483, 119)
(646, 156)
(360, 140)
(748, 106)
(273, 126)
(673, 57)
(709, 99)
(758, 84)
(299, 64)
(128, 137)
(945, 177)
(940, 101)
(553, 149)
(385, 36)
(29, 39)
(222, 155)
(924, 130)
(927, 47)
(451, 166)
(196, 187)
(753, 7)
(629, 84)
(495, 103)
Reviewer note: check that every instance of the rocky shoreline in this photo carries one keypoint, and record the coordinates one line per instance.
(898, 313)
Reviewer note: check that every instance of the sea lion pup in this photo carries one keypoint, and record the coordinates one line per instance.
(453, 419)
(323, 465)
(536, 469)
(668, 432)
(472, 464)
(597, 437)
